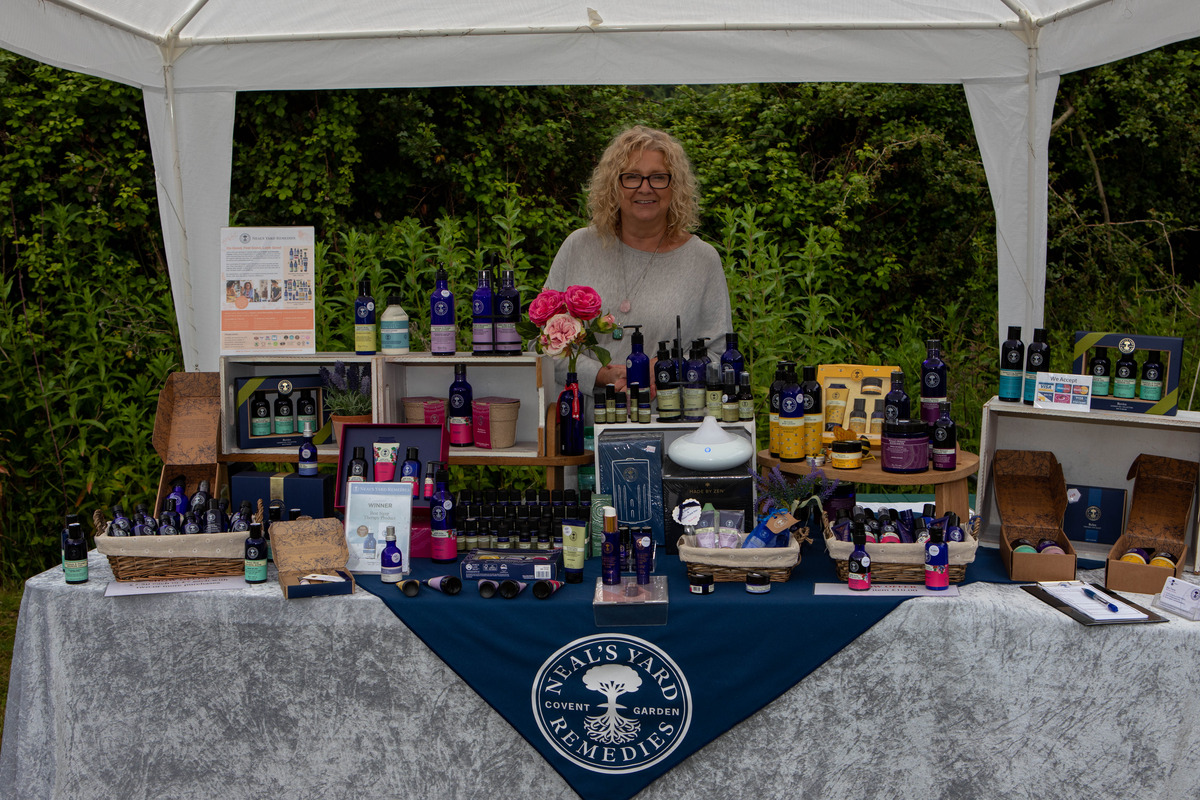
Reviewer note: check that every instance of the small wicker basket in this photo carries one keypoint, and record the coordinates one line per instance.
(152, 558)
(728, 565)
(902, 563)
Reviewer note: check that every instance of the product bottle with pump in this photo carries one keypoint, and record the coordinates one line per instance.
(1101, 369)
(712, 391)
(1124, 384)
(745, 398)
(1037, 359)
(441, 521)
(255, 564)
(260, 415)
(813, 413)
(391, 560)
(410, 471)
(732, 357)
(358, 469)
(570, 418)
(482, 331)
(441, 317)
(364, 320)
(306, 410)
(1152, 378)
(75, 557)
(285, 415)
(667, 383)
(858, 416)
(637, 364)
(508, 312)
(859, 566)
(462, 431)
(791, 418)
(933, 381)
(307, 454)
(773, 412)
(943, 441)
(1012, 363)
(393, 328)
(896, 404)
(694, 402)
(937, 562)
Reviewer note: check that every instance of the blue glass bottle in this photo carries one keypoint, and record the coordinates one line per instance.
(199, 501)
(570, 418)
(391, 560)
(937, 562)
(897, 405)
(933, 381)
(637, 364)
(482, 331)
(732, 355)
(75, 557)
(444, 547)
(441, 317)
(308, 453)
(1037, 359)
(177, 500)
(462, 432)
(1012, 366)
(666, 379)
(255, 564)
(791, 418)
(508, 312)
(410, 470)
(121, 525)
(694, 401)
(859, 566)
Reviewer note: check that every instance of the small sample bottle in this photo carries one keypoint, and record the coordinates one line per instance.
(508, 312)
(285, 416)
(444, 548)
(1037, 359)
(1100, 368)
(358, 469)
(1124, 384)
(482, 332)
(944, 439)
(430, 471)
(621, 403)
(933, 381)
(255, 563)
(858, 415)
(462, 430)
(877, 417)
(897, 406)
(308, 453)
(858, 571)
(391, 560)
(393, 328)
(260, 415)
(937, 562)
(364, 320)
(1012, 364)
(75, 553)
(441, 317)
(745, 399)
(1152, 378)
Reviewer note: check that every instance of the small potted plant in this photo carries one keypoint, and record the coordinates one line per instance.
(347, 390)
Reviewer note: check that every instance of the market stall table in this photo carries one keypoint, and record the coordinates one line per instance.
(244, 694)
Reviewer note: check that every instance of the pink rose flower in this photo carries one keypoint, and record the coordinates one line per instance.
(548, 303)
(606, 324)
(560, 333)
(582, 301)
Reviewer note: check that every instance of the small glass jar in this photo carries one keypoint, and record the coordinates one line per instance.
(905, 447)
(758, 582)
(847, 454)
(701, 583)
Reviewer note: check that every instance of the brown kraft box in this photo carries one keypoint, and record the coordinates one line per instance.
(1032, 498)
(187, 428)
(1163, 489)
(311, 545)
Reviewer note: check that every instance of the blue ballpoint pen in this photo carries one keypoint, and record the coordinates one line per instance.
(1111, 606)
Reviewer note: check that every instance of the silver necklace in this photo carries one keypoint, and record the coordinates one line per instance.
(626, 304)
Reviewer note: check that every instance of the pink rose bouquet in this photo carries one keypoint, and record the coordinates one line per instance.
(565, 324)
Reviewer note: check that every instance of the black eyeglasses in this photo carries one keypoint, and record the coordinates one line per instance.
(631, 180)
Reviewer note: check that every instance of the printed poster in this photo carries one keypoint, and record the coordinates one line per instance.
(268, 291)
(370, 509)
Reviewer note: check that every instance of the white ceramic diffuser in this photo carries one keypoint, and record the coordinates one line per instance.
(710, 447)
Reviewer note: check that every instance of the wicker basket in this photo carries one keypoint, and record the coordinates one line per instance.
(902, 563)
(728, 565)
(152, 558)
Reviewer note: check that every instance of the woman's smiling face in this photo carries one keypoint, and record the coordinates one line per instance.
(645, 207)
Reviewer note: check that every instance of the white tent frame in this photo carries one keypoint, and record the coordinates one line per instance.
(1007, 54)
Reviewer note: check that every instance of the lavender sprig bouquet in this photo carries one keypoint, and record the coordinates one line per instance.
(347, 389)
(795, 495)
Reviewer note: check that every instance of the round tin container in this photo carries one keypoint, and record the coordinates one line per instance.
(1136, 556)
(701, 583)
(1163, 559)
(905, 447)
(1023, 546)
(847, 454)
(757, 583)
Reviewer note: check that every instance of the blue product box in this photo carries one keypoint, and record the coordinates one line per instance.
(273, 386)
(1094, 514)
(313, 495)
(631, 472)
(1170, 352)
(499, 565)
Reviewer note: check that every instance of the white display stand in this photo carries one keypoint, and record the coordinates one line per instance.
(1095, 449)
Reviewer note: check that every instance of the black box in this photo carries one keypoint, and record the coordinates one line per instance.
(313, 495)
(270, 386)
(730, 490)
(1171, 351)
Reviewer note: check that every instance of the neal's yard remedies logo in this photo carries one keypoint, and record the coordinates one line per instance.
(612, 703)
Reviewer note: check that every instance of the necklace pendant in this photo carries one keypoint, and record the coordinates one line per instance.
(617, 333)
(625, 306)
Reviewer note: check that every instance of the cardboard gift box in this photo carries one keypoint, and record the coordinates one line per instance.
(187, 428)
(727, 490)
(1163, 492)
(307, 546)
(1031, 496)
(313, 495)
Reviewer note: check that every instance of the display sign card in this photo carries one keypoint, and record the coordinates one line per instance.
(370, 509)
(1063, 392)
(267, 291)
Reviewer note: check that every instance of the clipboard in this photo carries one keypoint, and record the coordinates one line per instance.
(1084, 619)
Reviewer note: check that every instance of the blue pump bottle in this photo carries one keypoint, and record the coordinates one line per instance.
(637, 365)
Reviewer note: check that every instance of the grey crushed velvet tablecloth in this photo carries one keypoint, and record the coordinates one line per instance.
(246, 695)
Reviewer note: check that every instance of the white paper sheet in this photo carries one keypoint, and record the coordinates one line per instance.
(122, 588)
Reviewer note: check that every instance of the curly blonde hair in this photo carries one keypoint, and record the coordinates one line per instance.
(604, 189)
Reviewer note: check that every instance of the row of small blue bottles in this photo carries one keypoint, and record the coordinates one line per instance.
(494, 315)
(200, 513)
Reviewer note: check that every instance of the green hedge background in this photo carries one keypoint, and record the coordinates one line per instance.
(854, 222)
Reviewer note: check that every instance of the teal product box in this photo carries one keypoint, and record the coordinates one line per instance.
(1170, 350)
(1094, 514)
(273, 386)
(631, 473)
(313, 495)
(499, 565)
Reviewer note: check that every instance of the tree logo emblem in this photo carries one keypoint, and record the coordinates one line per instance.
(612, 703)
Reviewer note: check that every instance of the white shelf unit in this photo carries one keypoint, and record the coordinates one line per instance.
(235, 367)
(422, 374)
(1095, 449)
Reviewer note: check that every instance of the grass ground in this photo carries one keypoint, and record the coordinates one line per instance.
(10, 602)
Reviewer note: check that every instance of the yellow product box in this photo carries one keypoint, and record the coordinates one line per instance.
(852, 398)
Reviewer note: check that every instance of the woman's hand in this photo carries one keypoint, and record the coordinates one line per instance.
(613, 373)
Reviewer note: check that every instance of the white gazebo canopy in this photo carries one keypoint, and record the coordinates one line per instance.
(191, 57)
